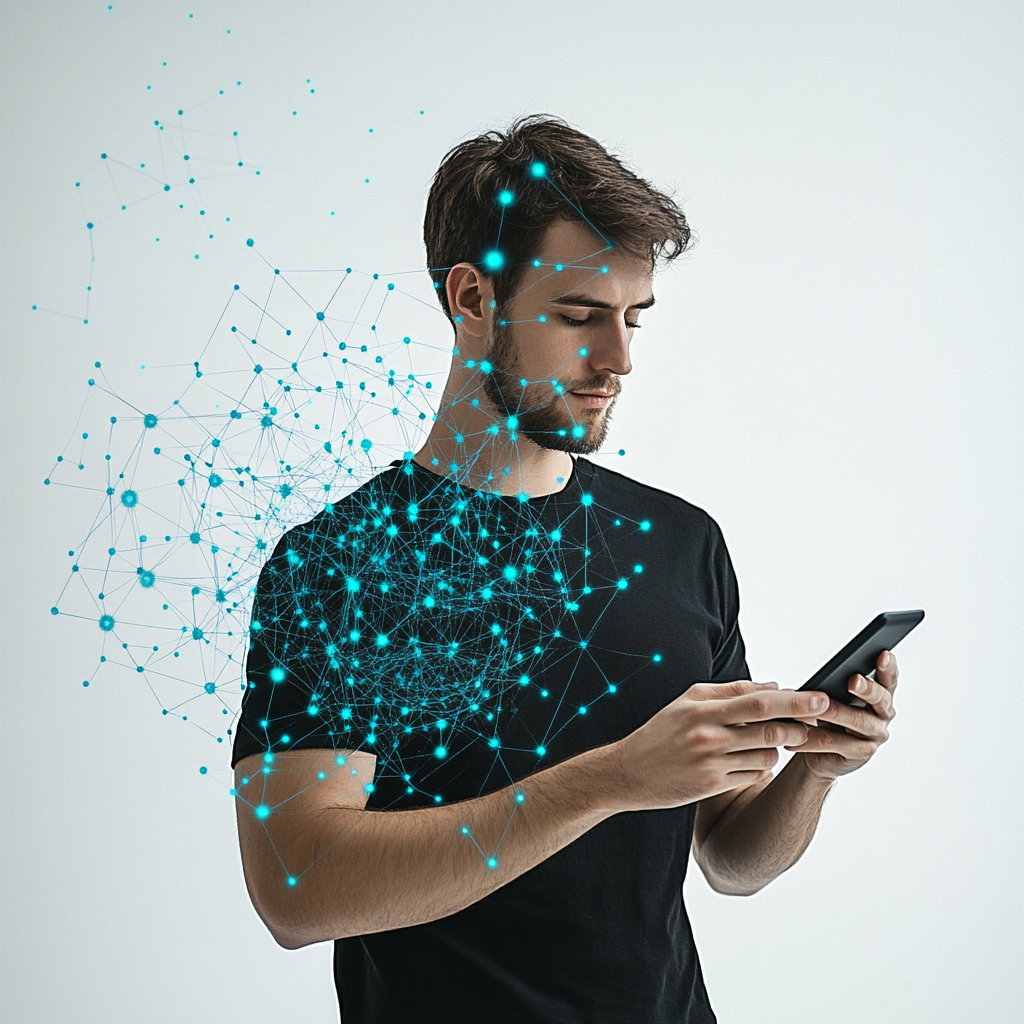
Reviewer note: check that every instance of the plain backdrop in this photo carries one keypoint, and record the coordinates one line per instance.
(834, 373)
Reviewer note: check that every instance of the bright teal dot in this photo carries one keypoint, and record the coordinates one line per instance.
(292, 881)
(538, 170)
(604, 270)
(197, 633)
(216, 480)
(578, 430)
(583, 710)
(55, 610)
(262, 811)
(193, 538)
(520, 797)
(645, 525)
(147, 578)
(492, 862)
(512, 422)
(149, 420)
(657, 657)
(106, 623)
(587, 499)
(319, 316)
(541, 751)
(210, 687)
(505, 197)
(622, 584)
(638, 568)
(277, 674)
(559, 267)
(440, 752)
(583, 351)
(129, 499)
(542, 319)
(510, 572)
(494, 260)
(382, 640)
(203, 770)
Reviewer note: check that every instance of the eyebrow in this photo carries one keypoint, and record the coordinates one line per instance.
(591, 303)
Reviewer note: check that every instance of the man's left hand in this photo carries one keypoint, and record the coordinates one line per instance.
(844, 737)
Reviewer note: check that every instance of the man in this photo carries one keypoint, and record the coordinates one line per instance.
(497, 692)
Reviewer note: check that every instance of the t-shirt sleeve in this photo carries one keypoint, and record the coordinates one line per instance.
(286, 665)
(729, 660)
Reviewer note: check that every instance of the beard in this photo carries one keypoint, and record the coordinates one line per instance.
(543, 415)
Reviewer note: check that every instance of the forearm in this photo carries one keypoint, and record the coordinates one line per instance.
(375, 871)
(764, 832)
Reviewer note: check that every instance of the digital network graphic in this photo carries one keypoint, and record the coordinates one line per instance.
(284, 447)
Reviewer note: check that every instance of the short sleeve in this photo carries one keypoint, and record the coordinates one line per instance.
(287, 662)
(729, 660)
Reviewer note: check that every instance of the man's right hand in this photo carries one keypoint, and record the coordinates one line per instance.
(715, 737)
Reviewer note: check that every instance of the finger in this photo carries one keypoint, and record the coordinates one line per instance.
(759, 707)
(828, 741)
(721, 691)
(886, 670)
(765, 734)
(861, 721)
(760, 759)
(872, 693)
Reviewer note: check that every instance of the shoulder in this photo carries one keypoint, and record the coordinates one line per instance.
(641, 500)
(336, 519)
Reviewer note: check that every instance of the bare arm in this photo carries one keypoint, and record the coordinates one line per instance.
(745, 839)
(355, 871)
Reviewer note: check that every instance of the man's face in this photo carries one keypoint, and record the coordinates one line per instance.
(559, 348)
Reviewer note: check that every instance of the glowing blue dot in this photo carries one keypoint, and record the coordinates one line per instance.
(262, 811)
(578, 430)
(106, 623)
(520, 797)
(193, 538)
(538, 170)
(587, 499)
(492, 862)
(541, 751)
(583, 710)
(203, 770)
(216, 480)
(440, 752)
(147, 578)
(210, 687)
(494, 260)
(657, 657)
(149, 420)
(505, 197)
(277, 674)
(319, 316)
(129, 499)
(197, 633)
(382, 640)
(645, 525)
(292, 881)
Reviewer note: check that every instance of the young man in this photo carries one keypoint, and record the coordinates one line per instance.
(497, 692)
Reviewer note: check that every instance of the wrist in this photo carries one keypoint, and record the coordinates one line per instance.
(811, 776)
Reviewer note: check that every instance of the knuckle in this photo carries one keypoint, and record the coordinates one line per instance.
(761, 706)
(770, 757)
(771, 734)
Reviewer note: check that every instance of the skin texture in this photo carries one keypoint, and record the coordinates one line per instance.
(366, 871)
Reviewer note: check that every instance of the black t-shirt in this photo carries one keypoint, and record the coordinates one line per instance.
(469, 640)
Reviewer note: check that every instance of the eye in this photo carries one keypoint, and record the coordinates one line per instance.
(633, 327)
(573, 322)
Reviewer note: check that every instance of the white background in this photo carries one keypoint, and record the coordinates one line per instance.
(834, 373)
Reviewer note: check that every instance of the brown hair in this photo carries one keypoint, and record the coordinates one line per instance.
(552, 171)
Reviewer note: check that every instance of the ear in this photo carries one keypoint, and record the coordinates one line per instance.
(470, 294)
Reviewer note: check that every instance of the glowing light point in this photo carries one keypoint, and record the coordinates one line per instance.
(129, 499)
(587, 499)
(441, 752)
(541, 751)
(292, 881)
(520, 797)
(485, 367)
(512, 422)
(494, 260)
(277, 674)
(578, 431)
(263, 811)
(645, 525)
(492, 862)
(106, 623)
(149, 420)
(147, 578)
(197, 633)
(538, 169)
(505, 197)
(319, 316)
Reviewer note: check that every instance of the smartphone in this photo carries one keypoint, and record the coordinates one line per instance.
(861, 653)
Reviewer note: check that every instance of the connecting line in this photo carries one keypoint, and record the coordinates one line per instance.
(492, 860)
(607, 241)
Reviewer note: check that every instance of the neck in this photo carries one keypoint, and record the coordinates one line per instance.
(467, 449)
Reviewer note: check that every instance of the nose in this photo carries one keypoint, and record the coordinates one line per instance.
(608, 353)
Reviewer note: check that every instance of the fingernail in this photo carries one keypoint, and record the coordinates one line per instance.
(886, 658)
(819, 701)
(860, 684)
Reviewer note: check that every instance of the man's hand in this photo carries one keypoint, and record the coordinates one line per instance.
(851, 734)
(716, 737)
